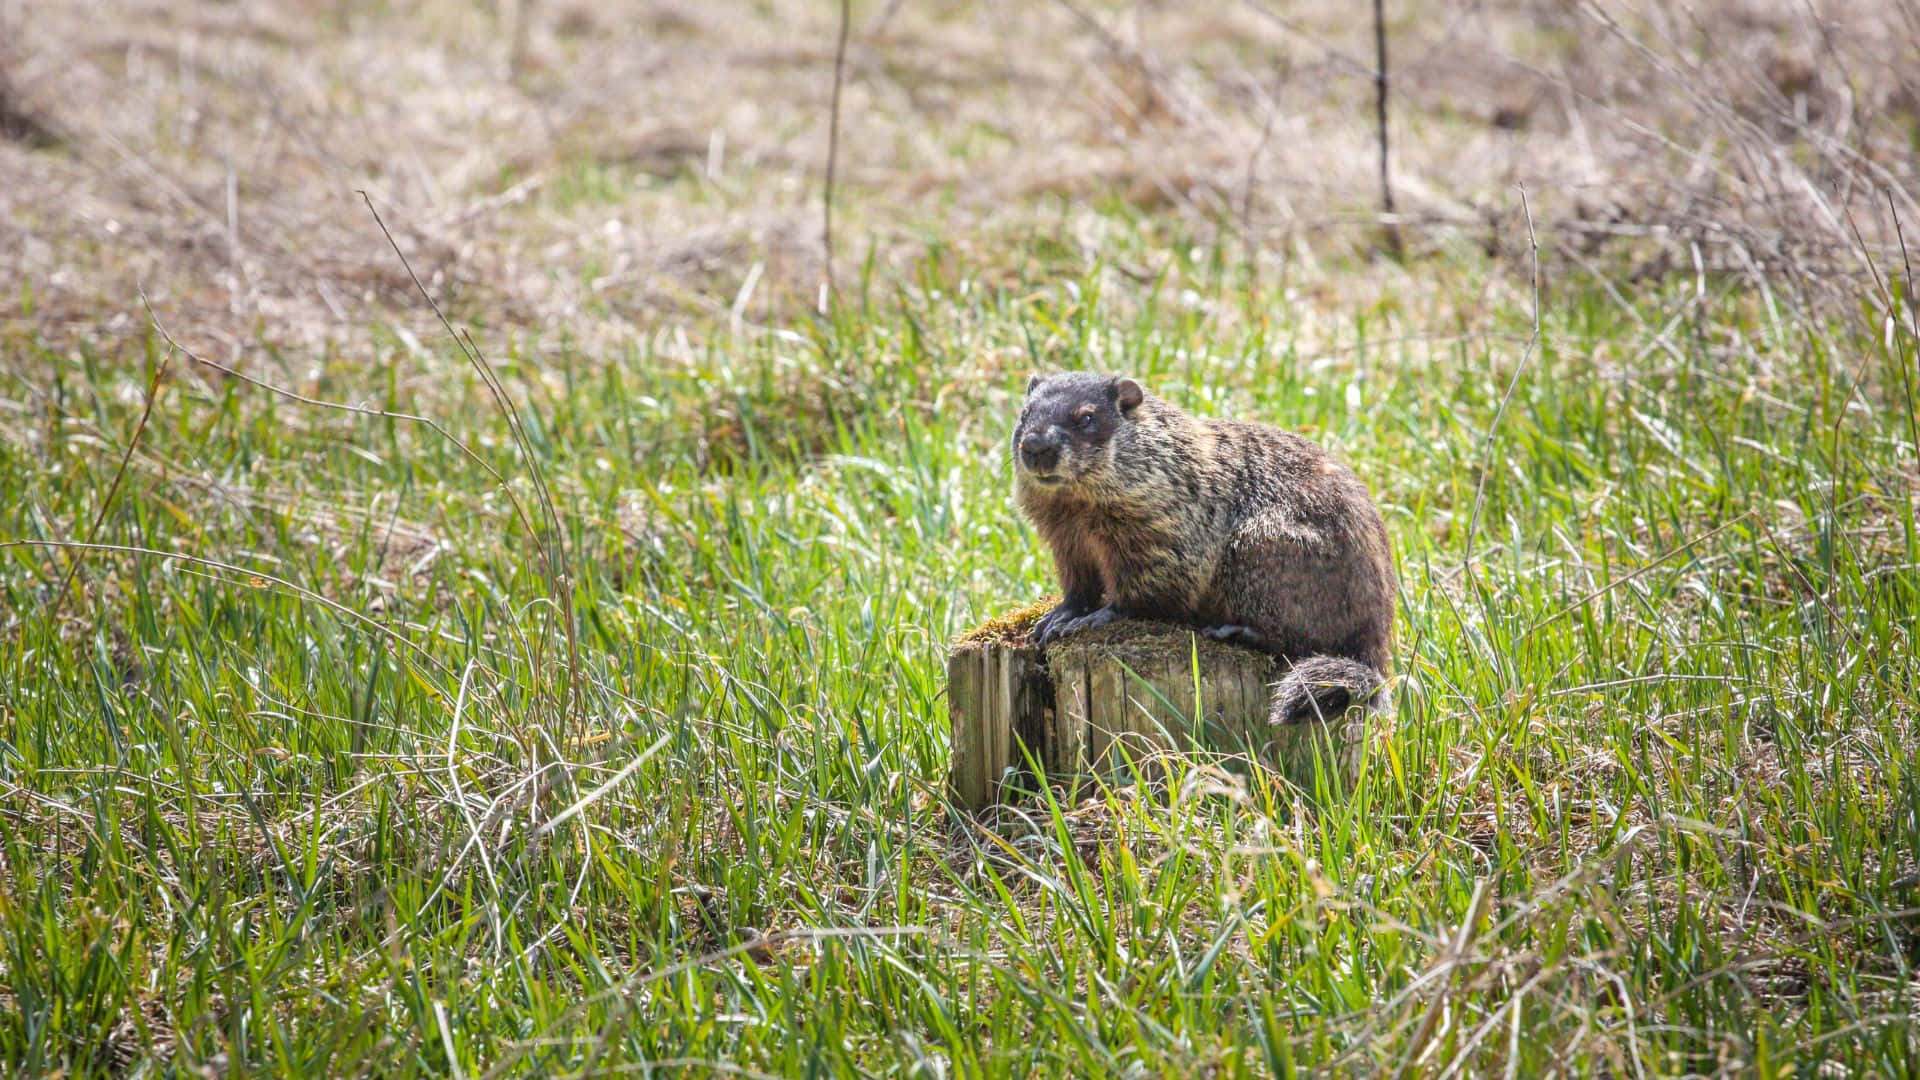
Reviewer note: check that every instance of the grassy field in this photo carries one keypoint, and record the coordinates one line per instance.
(367, 709)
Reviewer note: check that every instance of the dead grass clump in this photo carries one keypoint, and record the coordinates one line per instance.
(648, 161)
(794, 413)
(19, 121)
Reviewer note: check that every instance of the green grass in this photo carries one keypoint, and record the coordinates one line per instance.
(330, 806)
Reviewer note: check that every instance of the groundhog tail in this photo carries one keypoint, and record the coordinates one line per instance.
(1325, 687)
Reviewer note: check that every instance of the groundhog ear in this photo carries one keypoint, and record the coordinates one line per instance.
(1127, 394)
(1032, 381)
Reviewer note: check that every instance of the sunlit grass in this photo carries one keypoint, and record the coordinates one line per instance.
(327, 807)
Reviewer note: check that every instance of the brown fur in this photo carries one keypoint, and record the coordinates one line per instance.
(1246, 531)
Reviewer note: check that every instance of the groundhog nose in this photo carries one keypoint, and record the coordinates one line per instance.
(1039, 454)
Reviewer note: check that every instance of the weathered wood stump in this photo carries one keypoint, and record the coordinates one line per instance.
(1094, 702)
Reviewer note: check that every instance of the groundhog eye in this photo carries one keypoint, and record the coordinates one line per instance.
(1085, 420)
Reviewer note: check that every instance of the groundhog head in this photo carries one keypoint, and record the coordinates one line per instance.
(1066, 429)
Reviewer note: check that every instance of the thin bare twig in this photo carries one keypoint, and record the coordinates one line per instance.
(1618, 582)
(521, 36)
(1338, 56)
(1394, 245)
(252, 574)
(1906, 324)
(1787, 560)
(358, 410)
(119, 474)
(828, 289)
(551, 541)
(1493, 429)
(1249, 245)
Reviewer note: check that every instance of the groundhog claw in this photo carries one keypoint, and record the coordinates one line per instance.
(1066, 619)
(1095, 618)
(1052, 624)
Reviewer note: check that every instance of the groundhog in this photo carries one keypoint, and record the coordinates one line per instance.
(1246, 532)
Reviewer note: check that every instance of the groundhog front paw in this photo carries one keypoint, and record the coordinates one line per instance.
(1095, 618)
(1052, 624)
(1236, 635)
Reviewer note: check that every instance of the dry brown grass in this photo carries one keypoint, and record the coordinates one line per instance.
(640, 160)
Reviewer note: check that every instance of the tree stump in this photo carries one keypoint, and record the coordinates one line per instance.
(1090, 704)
